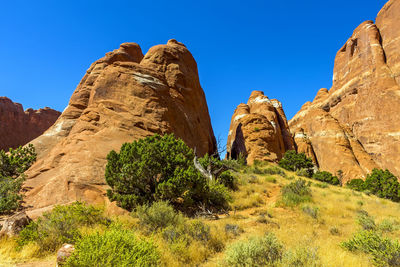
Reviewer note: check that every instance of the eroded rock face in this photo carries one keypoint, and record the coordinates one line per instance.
(259, 130)
(18, 127)
(355, 125)
(123, 97)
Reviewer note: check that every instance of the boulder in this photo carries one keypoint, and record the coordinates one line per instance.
(259, 130)
(12, 225)
(123, 97)
(354, 126)
(64, 253)
(19, 127)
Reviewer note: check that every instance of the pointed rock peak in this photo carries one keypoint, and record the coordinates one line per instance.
(175, 42)
(258, 97)
(321, 95)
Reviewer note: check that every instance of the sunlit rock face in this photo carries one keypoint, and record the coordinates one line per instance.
(123, 97)
(18, 127)
(355, 126)
(259, 130)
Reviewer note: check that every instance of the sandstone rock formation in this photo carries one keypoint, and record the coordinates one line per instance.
(14, 224)
(259, 130)
(354, 126)
(18, 127)
(123, 96)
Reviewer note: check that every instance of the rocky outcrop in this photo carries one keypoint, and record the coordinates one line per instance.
(18, 127)
(259, 130)
(123, 96)
(354, 126)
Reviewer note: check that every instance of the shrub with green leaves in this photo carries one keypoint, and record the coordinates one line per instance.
(311, 211)
(61, 225)
(12, 166)
(274, 170)
(383, 184)
(158, 216)
(159, 168)
(294, 162)
(366, 221)
(356, 184)
(115, 247)
(326, 177)
(257, 251)
(302, 256)
(384, 251)
(296, 192)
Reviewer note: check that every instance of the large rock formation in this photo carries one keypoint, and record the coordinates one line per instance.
(123, 96)
(355, 125)
(18, 127)
(259, 130)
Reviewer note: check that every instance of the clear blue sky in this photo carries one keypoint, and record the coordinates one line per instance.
(285, 48)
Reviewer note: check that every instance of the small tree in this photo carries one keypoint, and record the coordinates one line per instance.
(293, 162)
(12, 166)
(326, 177)
(383, 184)
(159, 168)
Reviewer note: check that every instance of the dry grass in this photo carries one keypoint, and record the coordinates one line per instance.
(255, 211)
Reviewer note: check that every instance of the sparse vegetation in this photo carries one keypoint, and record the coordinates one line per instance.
(257, 251)
(114, 247)
(61, 225)
(296, 192)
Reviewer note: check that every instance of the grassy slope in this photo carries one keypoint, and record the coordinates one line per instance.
(260, 194)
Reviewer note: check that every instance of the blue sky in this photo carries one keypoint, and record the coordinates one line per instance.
(284, 48)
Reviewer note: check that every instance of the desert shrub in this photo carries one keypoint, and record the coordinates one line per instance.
(233, 229)
(303, 256)
(334, 230)
(311, 211)
(12, 166)
(294, 162)
(257, 251)
(388, 225)
(228, 180)
(61, 225)
(159, 168)
(274, 170)
(114, 247)
(215, 164)
(384, 251)
(321, 185)
(270, 179)
(383, 184)
(158, 216)
(296, 192)
(366, 221)
(326, 177)
(356, 184)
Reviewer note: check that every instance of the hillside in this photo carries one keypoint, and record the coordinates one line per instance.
(318, 226)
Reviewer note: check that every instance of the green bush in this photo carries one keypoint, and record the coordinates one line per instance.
(296, 192)
(115, 247)
(274, 170)
(311, 211)
(61, 225)
(384, 251)
(257, 251)
(158, 168)
(304, 173)
(293, 162)
(12, 166)
(366, 221)
(326, 177)
(158, 216)
(356, 184)
(227, 179)
(303, 256)
(383, 184)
